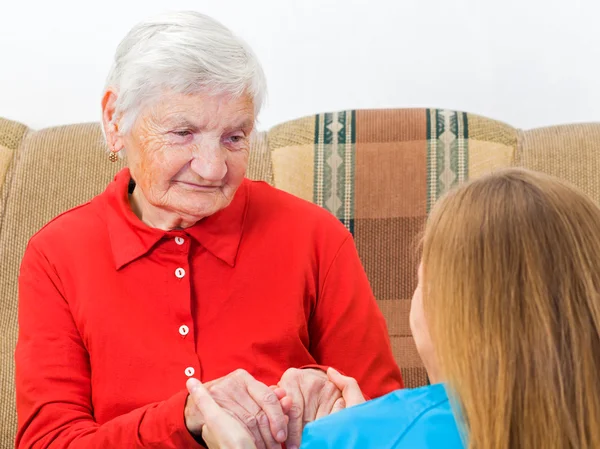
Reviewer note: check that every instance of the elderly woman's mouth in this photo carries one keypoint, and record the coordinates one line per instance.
(199, 187)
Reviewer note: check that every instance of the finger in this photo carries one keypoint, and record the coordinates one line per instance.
(348, 386)
(327, 397)
(209, 437)
(254, 415)
(295, 414)
(286, 405)
(279, 392)
(268, 402)
(206, 404)
(217, 420)
(233, 397)
(339, 405)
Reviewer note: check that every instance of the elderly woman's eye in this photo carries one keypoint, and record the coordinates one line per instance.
(236, 139)
(182, 133)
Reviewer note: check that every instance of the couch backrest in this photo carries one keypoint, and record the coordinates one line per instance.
(379, 172)
(569, 152)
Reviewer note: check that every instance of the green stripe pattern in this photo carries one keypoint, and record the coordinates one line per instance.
(334, 164)
(447, 152)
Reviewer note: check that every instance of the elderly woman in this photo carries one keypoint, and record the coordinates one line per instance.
(506, 317)
(184, 269)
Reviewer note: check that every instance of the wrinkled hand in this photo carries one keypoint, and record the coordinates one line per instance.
(220, 430)
(255, 407)
(312, 396)
(351, 393)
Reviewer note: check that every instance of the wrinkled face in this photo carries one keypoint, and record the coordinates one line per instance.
(188, 153)
(420, 331)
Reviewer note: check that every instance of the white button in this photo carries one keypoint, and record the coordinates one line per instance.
(179, 240)
(180, 272)
(184, 330)
(189, 371)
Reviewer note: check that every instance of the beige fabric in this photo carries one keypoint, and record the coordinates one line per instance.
(570, 152)
(259, 164)
(6, 155)
(293, 170)
(487, 130)
(11, 133)
(293, 133)
(486, 157)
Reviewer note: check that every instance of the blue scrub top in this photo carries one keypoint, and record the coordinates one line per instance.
(420, 418)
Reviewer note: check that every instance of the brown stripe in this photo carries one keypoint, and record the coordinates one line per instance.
(391, 179)
(405, 352)
(414, 377)
(388, 250)
(390, 125)
(396, 313)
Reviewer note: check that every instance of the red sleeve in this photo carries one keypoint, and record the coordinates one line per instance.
(348, 331)
(53, 379)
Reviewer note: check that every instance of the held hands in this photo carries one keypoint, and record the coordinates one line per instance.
(312, 396)
(220, 429)
(237, 411)
(351, 393)
(249, 412)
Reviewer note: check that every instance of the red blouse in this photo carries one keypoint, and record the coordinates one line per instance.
(114, 315)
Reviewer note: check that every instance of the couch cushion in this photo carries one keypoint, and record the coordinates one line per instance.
(569, 152)
(379, 172)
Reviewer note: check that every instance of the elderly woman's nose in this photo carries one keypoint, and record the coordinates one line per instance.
(210, 163)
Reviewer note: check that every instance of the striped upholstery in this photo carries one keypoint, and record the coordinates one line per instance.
(379, 172)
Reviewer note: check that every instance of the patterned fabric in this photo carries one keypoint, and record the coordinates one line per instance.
(379, 172)
(335, 142)
(447, 165)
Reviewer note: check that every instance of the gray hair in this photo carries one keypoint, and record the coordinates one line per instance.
(186, 52)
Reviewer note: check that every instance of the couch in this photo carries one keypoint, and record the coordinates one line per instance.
(378, 171)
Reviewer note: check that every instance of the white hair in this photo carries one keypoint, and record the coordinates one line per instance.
(186, 52)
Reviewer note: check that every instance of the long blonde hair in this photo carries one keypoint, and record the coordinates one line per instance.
(512, 299)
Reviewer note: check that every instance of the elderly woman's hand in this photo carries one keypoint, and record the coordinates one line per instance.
(313, 396)
(256, 408)
(220, 429)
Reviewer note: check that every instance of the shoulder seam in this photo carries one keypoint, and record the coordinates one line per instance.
(335, 257)
(58, 216)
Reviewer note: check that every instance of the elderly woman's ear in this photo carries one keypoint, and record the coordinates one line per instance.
(109, 122)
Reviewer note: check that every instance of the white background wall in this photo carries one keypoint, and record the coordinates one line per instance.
(527, 62)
